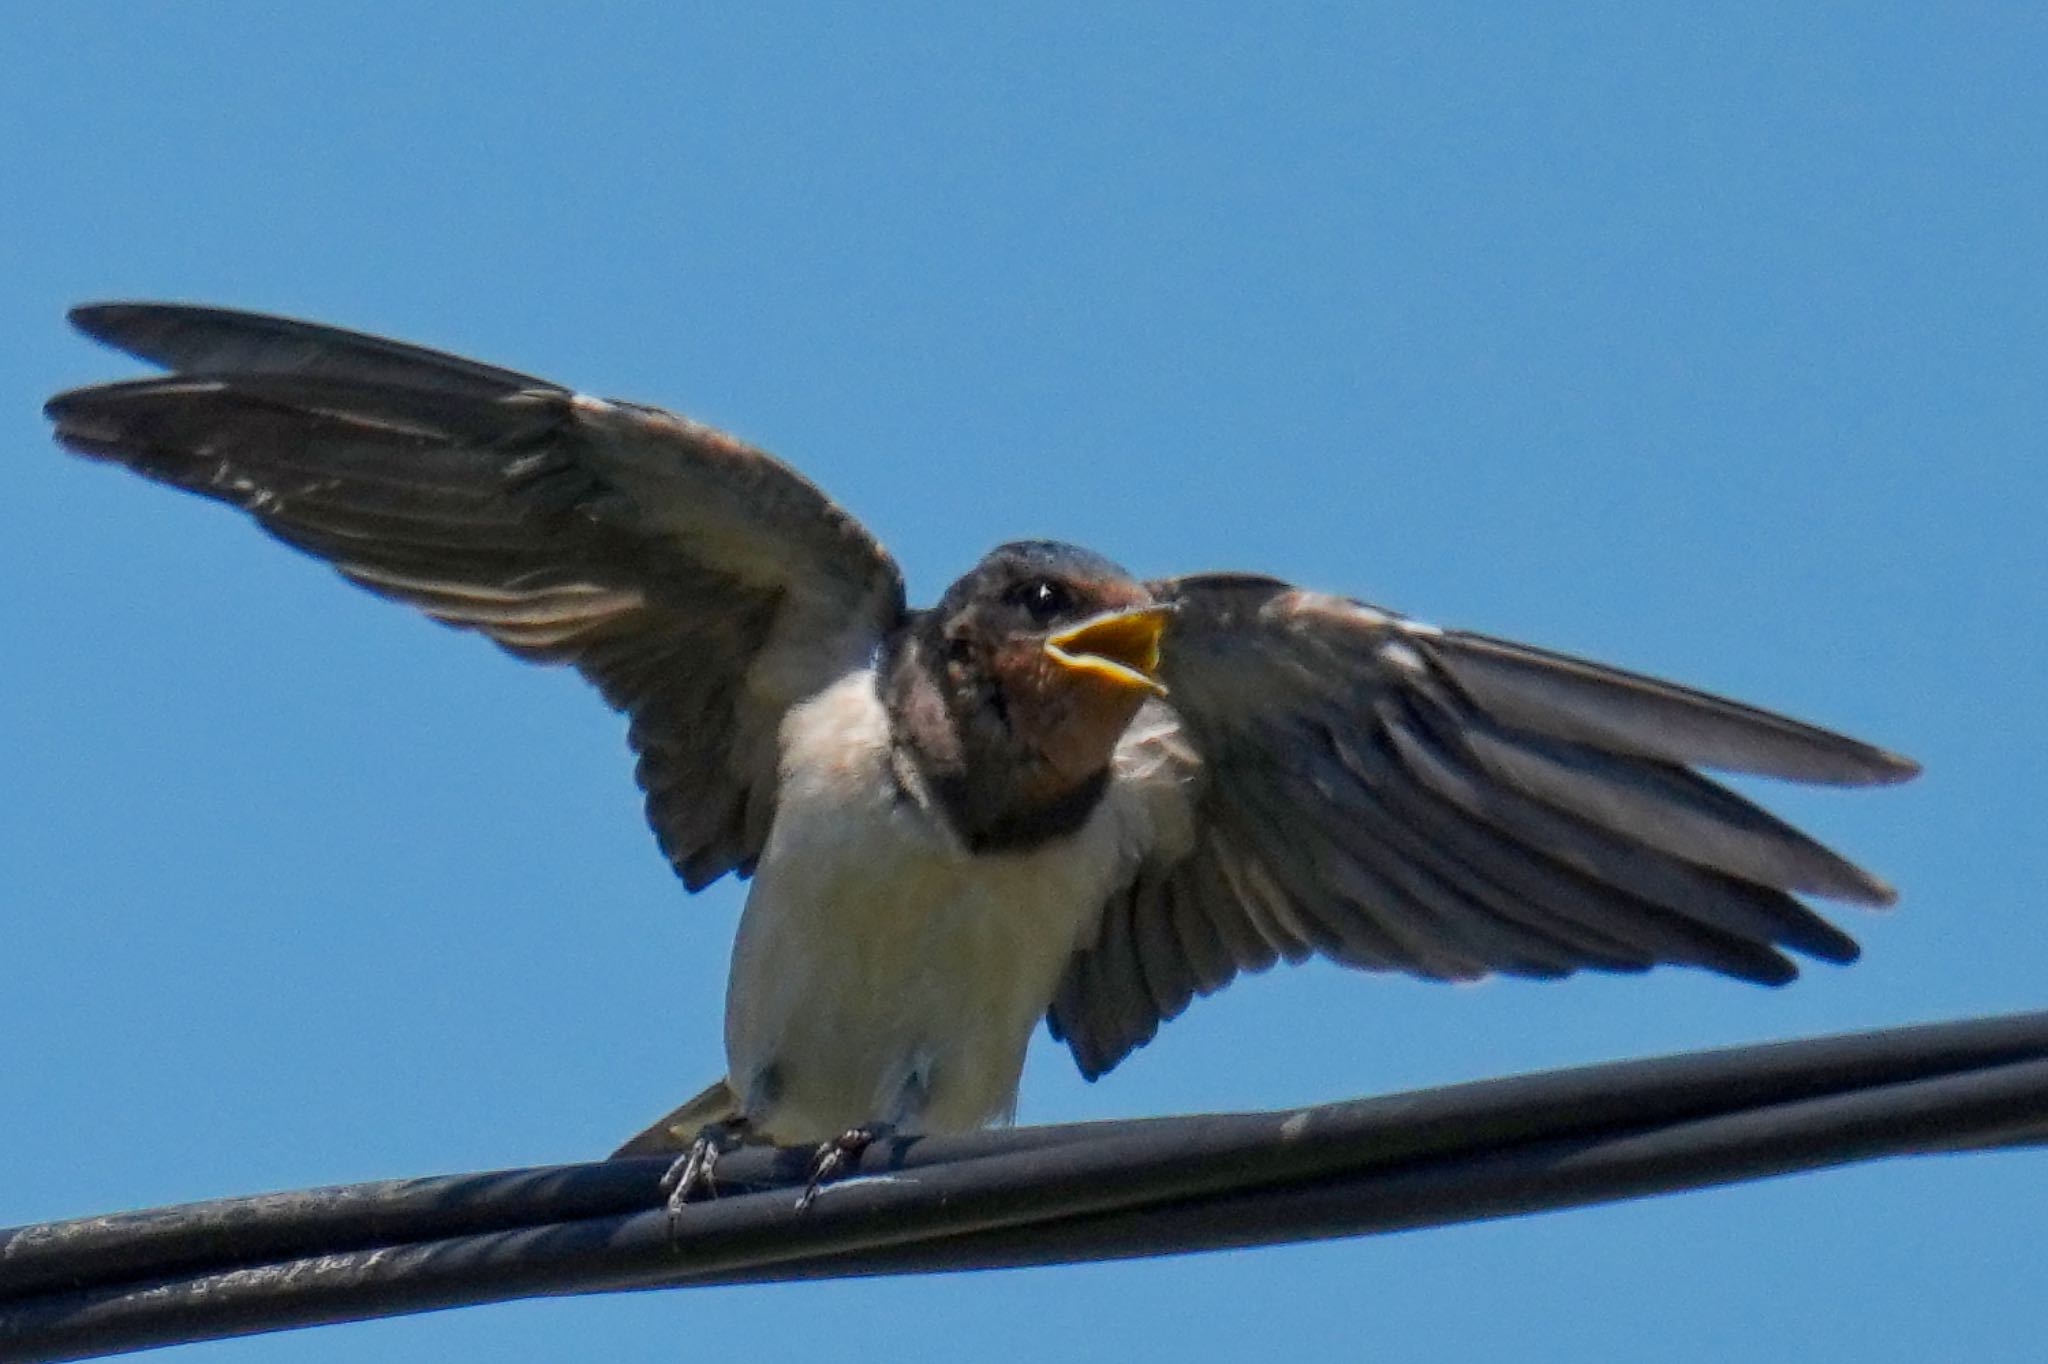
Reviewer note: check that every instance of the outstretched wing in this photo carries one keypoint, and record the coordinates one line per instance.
(703, 586)
(1402, 798)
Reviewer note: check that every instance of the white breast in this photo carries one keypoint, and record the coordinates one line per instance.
(883, 973)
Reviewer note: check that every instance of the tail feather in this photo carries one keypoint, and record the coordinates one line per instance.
(674, 1130)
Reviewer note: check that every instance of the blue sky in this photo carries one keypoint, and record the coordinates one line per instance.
(1715, 344)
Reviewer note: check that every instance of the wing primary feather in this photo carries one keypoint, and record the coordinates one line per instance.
(1092, 1028)
(1584, 903)
(1437, 931)
(1481, 938)
(1201, 946)
(1067, 1020)
(1361, 937)
(1625, 712)
(1740, 909)
(1169, 981)
(1127, 1010)
(1420, 941)
(1670, 809)
(1230, 927)
(1539, 904)
(1254, 893)
(180, 336)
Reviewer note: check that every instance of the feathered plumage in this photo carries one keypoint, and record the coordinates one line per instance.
(1170, 782)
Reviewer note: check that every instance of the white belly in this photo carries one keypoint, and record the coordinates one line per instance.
(881, 972)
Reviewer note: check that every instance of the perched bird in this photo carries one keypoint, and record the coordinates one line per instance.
(1060, 792)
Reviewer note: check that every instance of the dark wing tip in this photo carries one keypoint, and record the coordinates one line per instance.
(1852, 762)
(101, 315)
(125, 324)
(1091, 1058)
(1091, 1063)
(1822, 941)
(1775, 979)
(204, 338)
(60, 406)
(85, 420)
(90, 318)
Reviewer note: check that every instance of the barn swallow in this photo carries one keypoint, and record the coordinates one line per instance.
(1062, 792)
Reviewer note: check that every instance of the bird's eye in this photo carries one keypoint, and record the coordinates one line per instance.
(1042, 599)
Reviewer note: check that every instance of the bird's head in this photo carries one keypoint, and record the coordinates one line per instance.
(1019, 683)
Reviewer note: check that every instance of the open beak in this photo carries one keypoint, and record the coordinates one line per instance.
(1120, 647)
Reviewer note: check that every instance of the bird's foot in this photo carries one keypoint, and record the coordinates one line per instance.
(833, 1156)
(693, 1169)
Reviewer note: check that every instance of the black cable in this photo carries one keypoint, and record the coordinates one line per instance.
(1027, 1196)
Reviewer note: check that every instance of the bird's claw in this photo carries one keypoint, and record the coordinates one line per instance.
(692, 1170)
(832, 1158)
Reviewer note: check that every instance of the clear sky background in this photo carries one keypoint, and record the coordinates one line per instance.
(1715, 344)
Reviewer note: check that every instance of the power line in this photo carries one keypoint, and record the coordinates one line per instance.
(1026, 1196)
